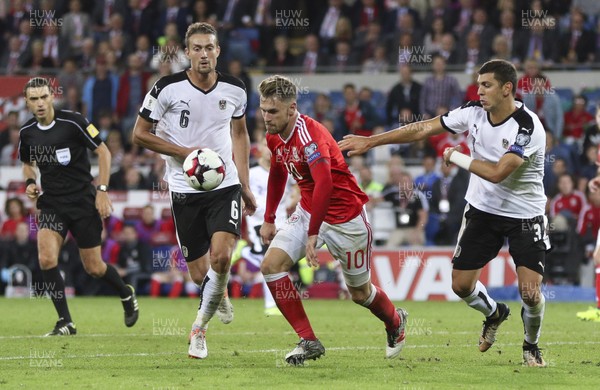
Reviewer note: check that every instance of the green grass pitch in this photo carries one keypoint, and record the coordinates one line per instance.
(441, 348)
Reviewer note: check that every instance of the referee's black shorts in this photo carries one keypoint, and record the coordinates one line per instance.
(78, 216)
(483, 234)
(198, 216)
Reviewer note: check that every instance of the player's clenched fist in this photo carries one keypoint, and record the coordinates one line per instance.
(32, 191)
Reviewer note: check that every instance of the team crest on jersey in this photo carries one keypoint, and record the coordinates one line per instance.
(63, 156)
(505, 143)
(311, 152)
(293, 218)
(222, 104)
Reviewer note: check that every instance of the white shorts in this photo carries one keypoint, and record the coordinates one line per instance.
(349, 243)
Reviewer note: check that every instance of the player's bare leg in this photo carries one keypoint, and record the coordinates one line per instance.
(49, 244)
(532, 313)
(377, 301)
(275, 267)
(466, 284)
(212, 290)
(94, 266)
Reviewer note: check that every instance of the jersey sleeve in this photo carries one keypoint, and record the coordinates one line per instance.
(24, 149)
(457, 121)
(90, 135)
(240, 108)
(315, 146)
(527, 142)
(155, 103)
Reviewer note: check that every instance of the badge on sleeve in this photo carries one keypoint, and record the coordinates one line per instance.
(311, 152)
(523, 139)
(92, 130)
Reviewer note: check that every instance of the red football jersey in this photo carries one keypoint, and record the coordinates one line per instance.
(308, 143)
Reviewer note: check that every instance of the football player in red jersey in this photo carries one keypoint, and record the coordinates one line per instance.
(331, 211)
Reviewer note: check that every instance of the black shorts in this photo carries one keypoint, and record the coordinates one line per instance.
(483, 235)
(80, 217)
(198, 216)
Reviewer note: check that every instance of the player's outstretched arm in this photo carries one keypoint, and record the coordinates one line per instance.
(142, 136)
(241, 154)
(492, 172)
(405, 134)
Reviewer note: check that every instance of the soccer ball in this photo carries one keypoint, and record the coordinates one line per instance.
(204, 169)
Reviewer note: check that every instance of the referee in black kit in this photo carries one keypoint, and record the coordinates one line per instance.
(56, 142)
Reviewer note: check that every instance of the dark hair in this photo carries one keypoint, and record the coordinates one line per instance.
(36, 82)
(17, 201)
(200, 28)
(503, 71)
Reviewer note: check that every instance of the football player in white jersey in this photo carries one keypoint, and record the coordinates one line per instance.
(188, 110)
(505, 197)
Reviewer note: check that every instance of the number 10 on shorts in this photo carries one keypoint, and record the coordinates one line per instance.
(355, 260)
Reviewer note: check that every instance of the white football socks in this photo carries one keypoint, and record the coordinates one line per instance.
(214, 288)
(480, 300)
(532, 320)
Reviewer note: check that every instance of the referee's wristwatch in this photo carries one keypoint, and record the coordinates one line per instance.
(102, 187)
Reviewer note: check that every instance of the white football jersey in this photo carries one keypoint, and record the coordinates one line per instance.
(188, 116)
(521, 194)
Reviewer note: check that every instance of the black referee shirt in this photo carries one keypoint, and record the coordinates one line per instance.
(60, 152)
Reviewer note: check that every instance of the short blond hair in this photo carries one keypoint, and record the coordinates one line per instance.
(278, 87)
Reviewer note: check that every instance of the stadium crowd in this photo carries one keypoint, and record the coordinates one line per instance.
(103, 56)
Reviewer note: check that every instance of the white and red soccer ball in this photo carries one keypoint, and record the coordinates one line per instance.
(204, 169)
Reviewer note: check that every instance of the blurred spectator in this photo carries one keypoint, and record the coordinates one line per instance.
(569, 201)
(542, 42)
(326, 23)
(311, 59)
(139, 18)
(148, 225)
(87, 59)
(448, 201)
(452, 140)
(370, 187)
(588, 168)
(343, 31)
(366, 12)
(483, 30)
(394, 18)
(12, 122)
(101, 14)
(118, 180)
(440, 89)
(118, 50)
(577, 44)
(75, 29)
(531, 79)
(113, 226)
(134, 258)
(100, 91)
(433, 38)
(576, 120)
(544, 101)
(281, 58)
(366, 41)
(115, 146)
(11, 59)
(357, 117)
(236, 69)
(323, 109)
(501, 49)
(143, 50)
(10, 152)
(588, 223)
(439, 9)
(19, 250)
(448, 49)
(378, 63)
(174, 12)
(52, 47)
(342, 60)
(471, 91)
(69, 76)
(25, 40)
(592, 131)
(425, 181)
(516, 39)
(72, 100)
(464, 17)
(36, 62)
(132, 89)
(16, 214)
(410, 209)
(199, 12)
(471, 52)
(176, 274)
(172, 53)
(405, 94)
